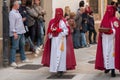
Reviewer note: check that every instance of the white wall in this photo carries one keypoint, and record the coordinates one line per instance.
(73, 4)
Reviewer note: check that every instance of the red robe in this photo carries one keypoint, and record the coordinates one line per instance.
(70, 58)
(99, 63)
(106, 23)
(117, 44)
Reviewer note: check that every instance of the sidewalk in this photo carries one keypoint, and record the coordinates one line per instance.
(84, 71)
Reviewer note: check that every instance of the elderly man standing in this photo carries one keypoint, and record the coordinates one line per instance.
(16, 33)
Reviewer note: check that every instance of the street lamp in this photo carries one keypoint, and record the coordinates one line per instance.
(5, 34)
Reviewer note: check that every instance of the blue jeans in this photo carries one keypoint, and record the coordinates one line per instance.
(40, 34)
(76, 39)
(17, 44)
(32, 32)
(28, 39)
(83, 39)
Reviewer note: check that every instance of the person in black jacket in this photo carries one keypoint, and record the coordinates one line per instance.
(91, 29)
(24, 14)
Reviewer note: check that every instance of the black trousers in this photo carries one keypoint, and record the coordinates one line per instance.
(94, 36)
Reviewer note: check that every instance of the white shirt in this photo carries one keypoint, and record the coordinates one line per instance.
(16, 23)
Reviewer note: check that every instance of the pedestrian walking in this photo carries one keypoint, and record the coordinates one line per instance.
(105, 59)
(58, 50)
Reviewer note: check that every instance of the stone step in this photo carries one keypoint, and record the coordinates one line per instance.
(29, 55)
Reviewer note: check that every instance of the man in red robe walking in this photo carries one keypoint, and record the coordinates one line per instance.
(117, 40)
(58, 49)
(108, 47)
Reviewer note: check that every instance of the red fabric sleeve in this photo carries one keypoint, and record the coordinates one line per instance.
(59, 30)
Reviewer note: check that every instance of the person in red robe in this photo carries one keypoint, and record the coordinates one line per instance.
(105, 56)
(48, 53)
(117, 42)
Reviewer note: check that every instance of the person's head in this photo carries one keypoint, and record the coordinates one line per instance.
(67, 10)
(37, 2)
(87, 5)
(87, 9)
(58, 16)
(23, 2)
(81, 3)
(15, 5)
(109, 14)
(112, 2)
(91, 13)
(110, 11)
(72, 15)
(59, 13)
(29, 3)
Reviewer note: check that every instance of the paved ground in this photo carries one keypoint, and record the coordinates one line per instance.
(84, 70)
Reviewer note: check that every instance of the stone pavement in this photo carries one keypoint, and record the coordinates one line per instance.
(84, 71)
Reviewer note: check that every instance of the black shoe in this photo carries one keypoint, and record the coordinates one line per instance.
(107, 71)
(60, 74)
(91, 42)
(113, 73)
(76, 47)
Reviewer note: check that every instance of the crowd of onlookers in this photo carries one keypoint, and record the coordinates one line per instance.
(82, 25)
(34, 23)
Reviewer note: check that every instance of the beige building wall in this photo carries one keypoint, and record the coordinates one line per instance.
(50, 5)
(47, 5)
(73, 4)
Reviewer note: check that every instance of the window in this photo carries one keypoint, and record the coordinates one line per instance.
(94, 5)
